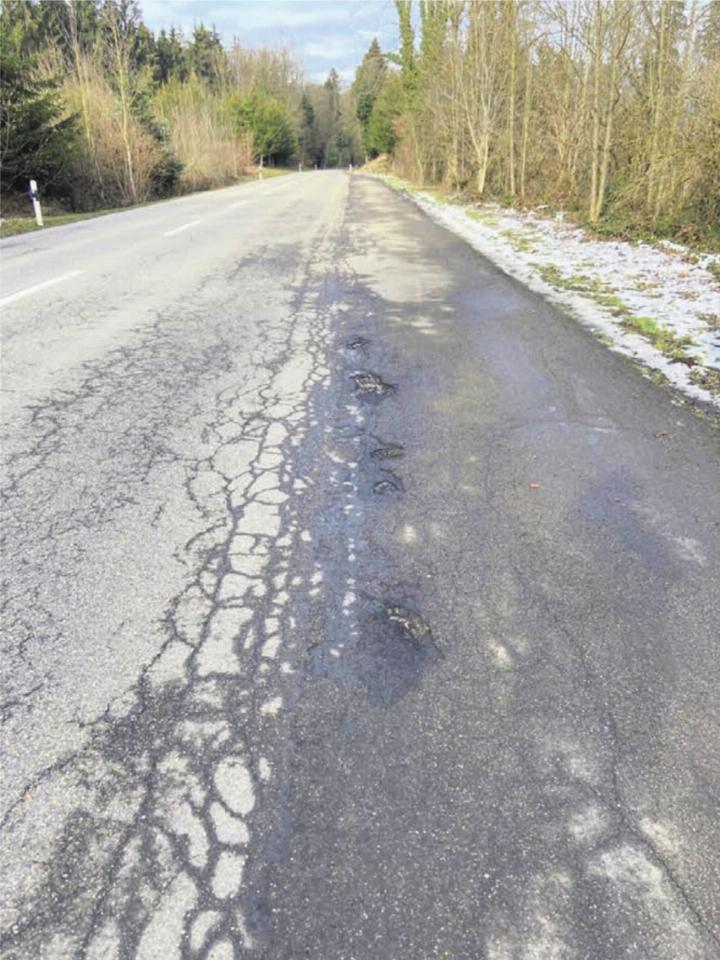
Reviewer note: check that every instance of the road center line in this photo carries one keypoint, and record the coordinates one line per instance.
(185, 226)
(39, 286)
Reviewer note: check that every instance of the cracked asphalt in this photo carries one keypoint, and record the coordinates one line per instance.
(358, 605)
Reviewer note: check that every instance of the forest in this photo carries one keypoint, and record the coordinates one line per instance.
(103, 113)
(609, 109)
(606, 109)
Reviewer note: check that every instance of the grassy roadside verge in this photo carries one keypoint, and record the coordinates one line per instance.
(12, 226)
(15, 225)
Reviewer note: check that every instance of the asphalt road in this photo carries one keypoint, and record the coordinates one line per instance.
(359, 605)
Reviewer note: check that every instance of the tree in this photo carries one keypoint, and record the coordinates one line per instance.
(369, 79)
(337, 145)
(406, 57)
(381, 135)
(205, 53)
(611, 28)
(120, 24)
(170, 57)
(330, 123)
(37, 139)
(270, 125)
(44, 23)
(307, 136)
(604, 107)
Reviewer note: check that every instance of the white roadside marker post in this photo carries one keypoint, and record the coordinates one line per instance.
(33, 194)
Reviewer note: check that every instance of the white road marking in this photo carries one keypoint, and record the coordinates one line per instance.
(240, 203)
(39, 286)
(185, 226)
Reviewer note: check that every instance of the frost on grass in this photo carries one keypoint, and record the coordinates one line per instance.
(658, 303)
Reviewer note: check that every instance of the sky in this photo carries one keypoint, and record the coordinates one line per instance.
(320, 33)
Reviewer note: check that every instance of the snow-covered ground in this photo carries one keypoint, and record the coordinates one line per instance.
(659, 303)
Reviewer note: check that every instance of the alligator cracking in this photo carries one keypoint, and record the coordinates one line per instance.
(153, 848)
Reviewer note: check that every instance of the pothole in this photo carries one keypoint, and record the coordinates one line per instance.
(371, 385)
(412, 626)
(395, 649)
(393, 451)
(358, 343)
(389, 484)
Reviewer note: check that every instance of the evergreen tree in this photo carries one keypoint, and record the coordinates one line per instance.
(369, 79)
(381, 136)
(204, 52)
(331, 120)
(307, 136)
(170, 57)
(271, 126)
(35, 139)
(144, 50)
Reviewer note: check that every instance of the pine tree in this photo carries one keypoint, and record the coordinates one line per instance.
(369, 79)
(36, 139)
(307, 136)
(204, 52)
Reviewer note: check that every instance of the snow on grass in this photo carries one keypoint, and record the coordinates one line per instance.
(658, 303)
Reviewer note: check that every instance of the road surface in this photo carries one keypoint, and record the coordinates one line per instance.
(359, 605)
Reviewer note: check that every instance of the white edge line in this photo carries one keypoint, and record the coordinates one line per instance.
(39, 286)
(240, 203)
(185, 226)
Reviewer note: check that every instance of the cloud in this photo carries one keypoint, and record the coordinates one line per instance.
(263, 15)
(244, 17)
(331, 48)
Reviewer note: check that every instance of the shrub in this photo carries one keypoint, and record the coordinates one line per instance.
(202, 135)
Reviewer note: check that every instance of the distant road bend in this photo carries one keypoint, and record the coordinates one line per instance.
(358, 604)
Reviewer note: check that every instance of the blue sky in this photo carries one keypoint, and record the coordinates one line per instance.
(320, 33)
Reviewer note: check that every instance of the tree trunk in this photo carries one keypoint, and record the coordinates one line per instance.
(511, 99)
(595, 146)
(654, 159)
(525, 122)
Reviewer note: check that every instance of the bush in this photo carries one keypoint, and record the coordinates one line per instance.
(202, 135)
(37, 137)
(270, 125)
(117, 160)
